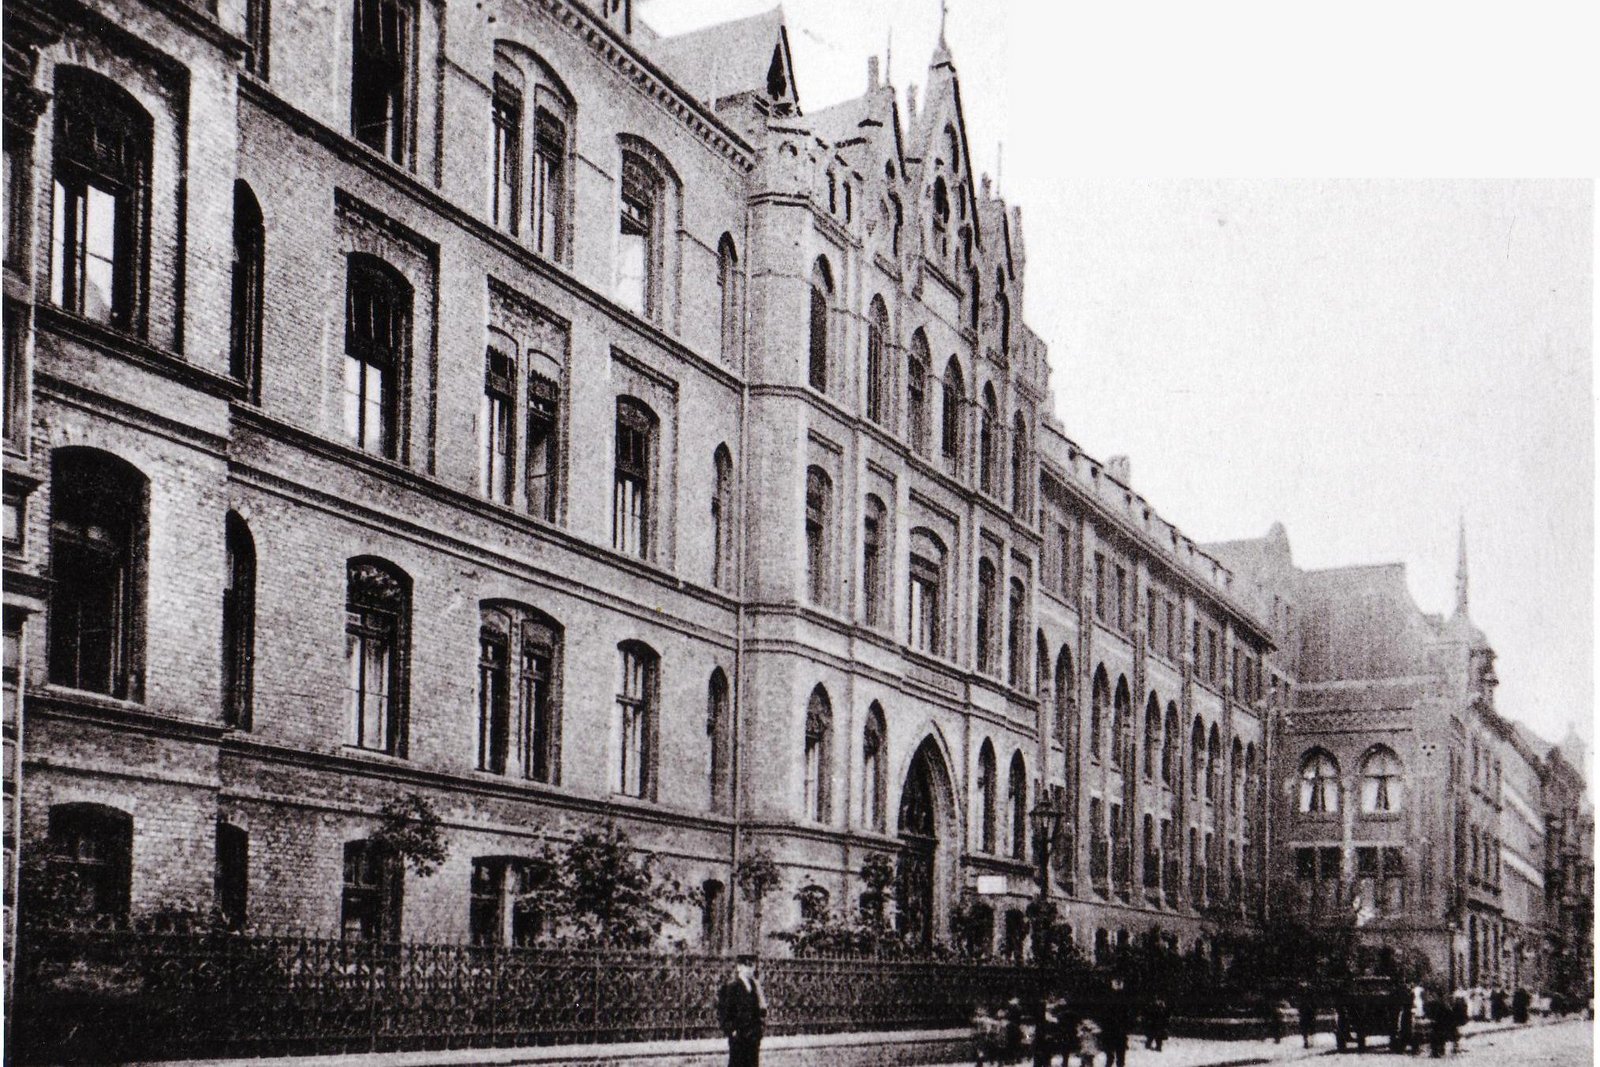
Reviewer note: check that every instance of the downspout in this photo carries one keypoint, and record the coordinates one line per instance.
(737, 711)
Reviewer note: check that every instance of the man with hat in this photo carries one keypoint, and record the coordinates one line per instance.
(742, 1012)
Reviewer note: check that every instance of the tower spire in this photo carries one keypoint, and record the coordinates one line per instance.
(1461, 570)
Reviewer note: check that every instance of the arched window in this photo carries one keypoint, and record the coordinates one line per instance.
(99, 241)
(91, 856)
(1197, 756)
(525, 85)
(636, 724)
(238, 625)
(249, 261)
(1066, 689)
(377, 650)
(1016, 626)
(819, 537)
(719, 732)
(941, 218)
(877, 362)
(899, 222)
(1099, 697)
(97, 558)
(728, 279)
(918, 420)
(925, 595)
(1171, 755)
(723, 549)
(713, 915)
(1214, 766)
(875, 557)
(986, 797)
(1152, 736)
(377, 353)
(821, 305)
(1250, 793)
(955, 400)
(985, 613)
(640, 226)
(1319, 783)
(819, 757)
(633, 499)
(1017, 802)
(1019, 469)
(1382, 787)
(874, 774)
(371, 904)
(505, 192)
(1235, 771)
(1122, 713)
(519, 692)
(987, 425)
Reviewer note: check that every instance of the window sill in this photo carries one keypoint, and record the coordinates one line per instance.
(1383, 816)
(136, 350)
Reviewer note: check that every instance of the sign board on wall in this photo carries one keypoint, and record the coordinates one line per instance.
(991, 885)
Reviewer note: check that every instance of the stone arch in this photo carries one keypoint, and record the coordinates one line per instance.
(930, 843)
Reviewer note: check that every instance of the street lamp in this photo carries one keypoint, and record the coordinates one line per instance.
(1046, 820)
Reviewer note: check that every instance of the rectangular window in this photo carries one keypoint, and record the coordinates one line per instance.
(232, 876)
(1064, 576)
(507, 156)
(1123, 606)
(485, 918)
(371, 902)
(1150, 620)
(630, 525)
(872, 566)
(11, 675)
(634, 712)
(535, 698)
(543, 405)
(817, 491)
(1101, 605)
(494, 701)
(917, 404)
(380, 71)
(16, 378)
(377, 339)
(257, 36)
(635, 239)
(549, 192)
(1211, 656)
(369, 650)
(496, 419)
(924, 635)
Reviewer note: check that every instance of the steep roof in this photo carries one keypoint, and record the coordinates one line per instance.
(729, 57)
(1361, 623)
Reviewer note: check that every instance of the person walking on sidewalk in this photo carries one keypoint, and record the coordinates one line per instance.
(1158, 1020)
(1116, 1019)
(1308, 1015)
(1519, 1005)
(742, 1012)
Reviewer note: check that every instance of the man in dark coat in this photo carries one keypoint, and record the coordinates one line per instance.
(742, 1013)
(1519, 1005)
(1116, 1019)
(1308, 1015)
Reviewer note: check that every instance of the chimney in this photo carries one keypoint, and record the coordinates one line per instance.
(872, 73)
(1120, 468)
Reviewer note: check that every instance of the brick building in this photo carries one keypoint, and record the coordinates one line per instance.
(508, 405)
(1404, 804)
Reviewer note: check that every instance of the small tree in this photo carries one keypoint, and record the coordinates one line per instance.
(609, 894)
(412, 828)
(757, 876)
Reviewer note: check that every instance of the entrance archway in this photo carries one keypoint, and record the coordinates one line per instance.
(926, 845)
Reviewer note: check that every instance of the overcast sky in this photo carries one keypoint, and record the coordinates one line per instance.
(1367, 361)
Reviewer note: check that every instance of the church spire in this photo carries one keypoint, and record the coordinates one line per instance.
(1461, 570)
(941, 53)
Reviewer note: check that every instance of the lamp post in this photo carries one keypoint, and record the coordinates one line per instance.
(1046, 820)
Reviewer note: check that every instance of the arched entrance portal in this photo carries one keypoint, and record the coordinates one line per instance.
(926, 811)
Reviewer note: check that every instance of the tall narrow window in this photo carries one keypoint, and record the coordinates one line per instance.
(821, 301)
(249, 250)
(986, 797)
(713, 915)
(987, 445)
(519, 717)
(1152, 736)
(1099, 697)
(719, 734)
(507, 115)
(874, 566)
(1381, 788)
(370, 906)
(97, 546)
(232, 878)
(496, 418)
(1319, 783)
(985, 613)
(636, 721)
(1121, 712)
(549, 185)
(722, 505)
(1197, 757)
(954, 403)
(494, 697)
(257, 36)
(1002, 307)
(1171, 757)
(819, 757)
(1067, 580)
(917, 419)
(941, 218)
(728, 300)
(877, 362)
(1214, 766)
(238, 625)
(925, 594)
(637, 237)
(1019, 466)
(379, 109)
(1102, 597)
(1017, 801)
(99, 233)
(91, 854)
(377, 631)
(819, 549)
(874, 779)
(377, 343)
(1016, 627)
(542, 466)
(632, 503)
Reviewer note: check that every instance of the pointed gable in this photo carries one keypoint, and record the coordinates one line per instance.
(747, 56)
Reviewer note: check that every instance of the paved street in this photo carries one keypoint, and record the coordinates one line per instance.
(1570, 1042)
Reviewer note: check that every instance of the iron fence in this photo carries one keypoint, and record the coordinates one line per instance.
(118, 995)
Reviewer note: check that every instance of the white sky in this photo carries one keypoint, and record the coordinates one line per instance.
(1363, 360)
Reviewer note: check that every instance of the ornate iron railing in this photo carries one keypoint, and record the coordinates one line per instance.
(117, 995)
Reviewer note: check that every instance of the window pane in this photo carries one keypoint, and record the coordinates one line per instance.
(630, 289)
